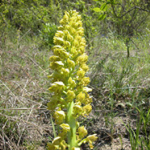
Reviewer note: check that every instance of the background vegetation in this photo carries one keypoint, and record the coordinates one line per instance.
(118, 45)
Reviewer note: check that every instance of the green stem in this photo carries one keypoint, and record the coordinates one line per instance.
(72, 124)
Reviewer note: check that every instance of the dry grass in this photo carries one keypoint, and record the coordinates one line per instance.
(23, 96)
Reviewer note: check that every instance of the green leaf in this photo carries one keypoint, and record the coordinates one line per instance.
(103, 7)
(96, 9)
(102, 17)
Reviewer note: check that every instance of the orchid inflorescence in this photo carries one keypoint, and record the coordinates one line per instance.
(70, 98)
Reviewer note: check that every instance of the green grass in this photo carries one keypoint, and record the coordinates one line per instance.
(120, 86)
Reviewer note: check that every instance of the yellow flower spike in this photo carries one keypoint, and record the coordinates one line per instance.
(82, 132)
(70, 98)
(59, 116)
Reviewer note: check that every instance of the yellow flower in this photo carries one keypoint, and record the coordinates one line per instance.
(83, 42)
(66, 16)
(51, 146)
(82, 59)
(78, 17)
(57, 141)
(51, 105)
(74, 51)
(60, 28)
(80, 97)
(70, 95)
(88, 99)
(82, 132)
(72, 31)
(77, 110)
(65, 127)
(59, 34)
(71, 83)
(61, 53)
(75, 43)
(58, 40)
(65, 72)
(87, 109)
(70, 63)
(57, 87)
(85, 67)
(67, 44)
(54, 58)
(80, 73)
(86, 89)
(82, 49)
(76, 148)
(69, 37)
(59, 116)
(80, 31)
(91, 139)
(85, 81)
(54, 101)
